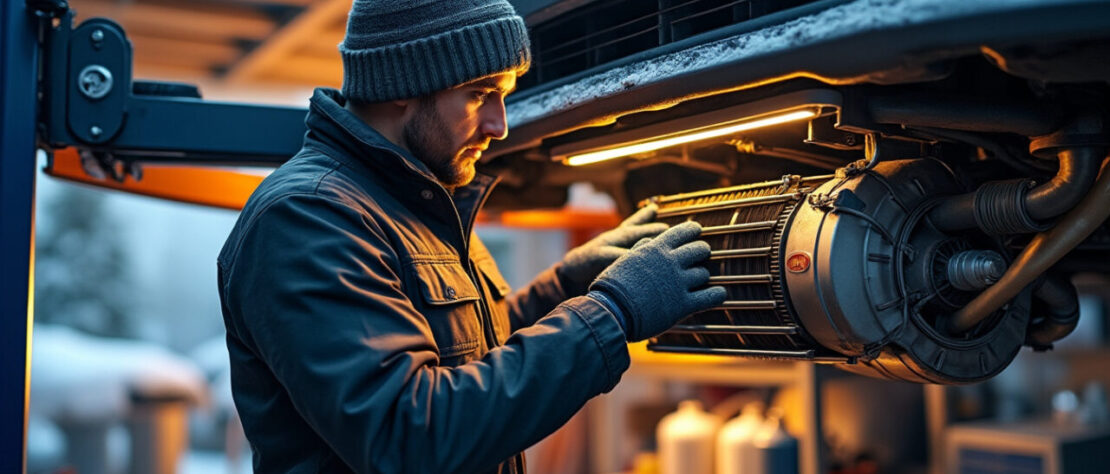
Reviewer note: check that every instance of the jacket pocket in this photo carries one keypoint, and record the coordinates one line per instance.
(499, 289)
(449, 303)
(489, 270)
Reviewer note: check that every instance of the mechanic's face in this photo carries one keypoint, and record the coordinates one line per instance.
(449, 130)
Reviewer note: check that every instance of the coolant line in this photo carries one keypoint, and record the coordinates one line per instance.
(1077, 171)
(1078, 167)
(1043, 251)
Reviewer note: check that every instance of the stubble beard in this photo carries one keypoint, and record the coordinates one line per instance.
(425, 137)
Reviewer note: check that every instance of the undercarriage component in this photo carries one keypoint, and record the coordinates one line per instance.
(1043, 251)
(849, 269)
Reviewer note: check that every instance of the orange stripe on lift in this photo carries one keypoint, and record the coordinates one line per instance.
(189, 184)
(230, 189)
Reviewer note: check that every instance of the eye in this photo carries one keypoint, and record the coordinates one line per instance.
(479, 96)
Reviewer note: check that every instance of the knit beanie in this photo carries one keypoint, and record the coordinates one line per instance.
(401, 49)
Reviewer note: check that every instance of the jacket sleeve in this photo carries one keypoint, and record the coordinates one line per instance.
(532, 302)
(316, 290)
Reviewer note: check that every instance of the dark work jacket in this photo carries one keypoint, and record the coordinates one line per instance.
(370, 330)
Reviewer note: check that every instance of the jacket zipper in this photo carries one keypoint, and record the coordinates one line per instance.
(483, 304)
(484, 314)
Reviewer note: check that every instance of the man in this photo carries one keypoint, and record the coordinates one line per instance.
(369, 329)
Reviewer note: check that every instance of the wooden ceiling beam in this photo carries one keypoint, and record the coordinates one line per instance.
(171, 72)
(273, 55)
(175, 50)
(326, 43)
(305, 70)
(184, 21)
(264, 3)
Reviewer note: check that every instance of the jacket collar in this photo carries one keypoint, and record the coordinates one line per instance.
(364, 149)
(332, 125)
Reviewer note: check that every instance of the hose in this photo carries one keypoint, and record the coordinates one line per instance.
(1078, 168)
(1055, 316)
(1043, 251)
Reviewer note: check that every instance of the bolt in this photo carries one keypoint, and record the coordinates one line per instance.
(96, 131)
(98, 35)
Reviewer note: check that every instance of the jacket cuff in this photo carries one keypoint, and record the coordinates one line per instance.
(612, 306)
(568, 285)
(607, 334)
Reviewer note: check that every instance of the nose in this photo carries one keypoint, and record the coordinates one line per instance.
(494, 124)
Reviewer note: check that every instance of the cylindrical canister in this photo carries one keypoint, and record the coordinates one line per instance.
(776, 452)
(735, 452)
(686, 439)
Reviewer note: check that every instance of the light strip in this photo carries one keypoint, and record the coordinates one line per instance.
(687, 137)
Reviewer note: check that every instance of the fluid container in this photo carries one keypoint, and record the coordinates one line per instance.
(686, 440)
(775, 451)
(735, 452)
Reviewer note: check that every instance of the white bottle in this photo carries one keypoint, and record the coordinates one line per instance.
(734, 442)
(686, 438)
(776, 452)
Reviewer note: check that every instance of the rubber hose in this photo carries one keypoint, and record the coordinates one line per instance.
(1043, 251)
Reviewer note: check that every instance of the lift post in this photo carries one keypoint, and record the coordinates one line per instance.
(65, 87)
(18, 69)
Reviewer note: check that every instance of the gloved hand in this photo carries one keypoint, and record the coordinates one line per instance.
(581, 265)
(655, 284)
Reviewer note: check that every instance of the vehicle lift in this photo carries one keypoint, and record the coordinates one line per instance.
(69, 92)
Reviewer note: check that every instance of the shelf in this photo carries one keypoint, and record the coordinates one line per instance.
(713, 369)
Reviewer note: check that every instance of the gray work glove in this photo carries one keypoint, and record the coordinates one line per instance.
(581, 265)
(660, 281)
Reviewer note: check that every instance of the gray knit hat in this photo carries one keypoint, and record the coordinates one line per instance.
(400, 49)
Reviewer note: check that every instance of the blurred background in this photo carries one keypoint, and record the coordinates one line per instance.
(130, 369)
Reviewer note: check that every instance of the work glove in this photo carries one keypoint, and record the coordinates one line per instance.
(581, 265)
(660, 281)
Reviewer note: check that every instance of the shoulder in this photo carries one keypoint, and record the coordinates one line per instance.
(308, 190)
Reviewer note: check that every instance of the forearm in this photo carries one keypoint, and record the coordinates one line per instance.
(542, 294)
(407, 414)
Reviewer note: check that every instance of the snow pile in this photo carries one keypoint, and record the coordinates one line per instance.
(212, 358)
(840, 21)
(80, 377)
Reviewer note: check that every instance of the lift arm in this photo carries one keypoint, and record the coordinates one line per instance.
(69, 92)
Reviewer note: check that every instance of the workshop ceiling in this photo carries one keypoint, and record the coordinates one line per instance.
(286, 42)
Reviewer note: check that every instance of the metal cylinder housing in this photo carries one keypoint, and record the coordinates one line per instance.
(846, 269)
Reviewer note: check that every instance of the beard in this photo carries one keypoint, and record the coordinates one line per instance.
(427, 136)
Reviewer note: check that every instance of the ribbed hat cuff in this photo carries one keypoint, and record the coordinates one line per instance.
(417, 68)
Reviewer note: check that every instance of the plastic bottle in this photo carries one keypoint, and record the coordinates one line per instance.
(734, 442)
(686, 440)
(775, 451)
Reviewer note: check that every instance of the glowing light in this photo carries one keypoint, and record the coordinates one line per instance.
(687, 136)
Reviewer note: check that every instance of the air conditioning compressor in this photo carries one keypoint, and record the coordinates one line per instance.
(848, 269)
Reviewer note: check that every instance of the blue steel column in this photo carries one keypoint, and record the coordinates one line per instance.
(17, 197)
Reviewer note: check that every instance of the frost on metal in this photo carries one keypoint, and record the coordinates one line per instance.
(843, 20)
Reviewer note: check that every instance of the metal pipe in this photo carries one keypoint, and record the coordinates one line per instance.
(727, 329)
(961, 113)
(746, 305)
(955, 213)
(1060, 305)
(773, 354)
(740, 253)
(740, 279)
(721, 205)
(1077, 171)
(738, 228)
(1043, 251)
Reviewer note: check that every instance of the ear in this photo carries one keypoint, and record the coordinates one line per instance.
(403, 107)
